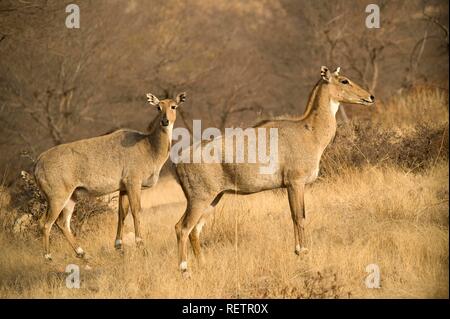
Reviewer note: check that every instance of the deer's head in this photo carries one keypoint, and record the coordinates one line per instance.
(167, 108)
(343, 90)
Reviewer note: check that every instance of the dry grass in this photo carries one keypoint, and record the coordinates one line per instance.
(395, 219)
(382, 198)
(419, 106)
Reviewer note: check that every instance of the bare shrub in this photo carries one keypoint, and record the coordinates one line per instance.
(29, 200)
(361, 143)
(86, 209)
(5, 199)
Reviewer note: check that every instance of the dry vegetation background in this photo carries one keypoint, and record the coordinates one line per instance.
(382, 194)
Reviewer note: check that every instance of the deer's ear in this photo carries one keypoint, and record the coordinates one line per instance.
(153, 100)
(338, 69)
(325, 73)
(181, 98)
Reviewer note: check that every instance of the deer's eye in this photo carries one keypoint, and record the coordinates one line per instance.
(344, 81)
(173, 107)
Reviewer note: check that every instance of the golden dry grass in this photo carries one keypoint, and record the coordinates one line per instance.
(385, 216)
(420, 105)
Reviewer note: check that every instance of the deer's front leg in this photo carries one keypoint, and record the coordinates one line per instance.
(296, 192)
(134, 197)
(124, 204)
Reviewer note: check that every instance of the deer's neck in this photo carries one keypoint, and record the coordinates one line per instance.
(160, 140)
(320, 114)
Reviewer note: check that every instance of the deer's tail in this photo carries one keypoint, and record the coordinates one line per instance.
(33, 186)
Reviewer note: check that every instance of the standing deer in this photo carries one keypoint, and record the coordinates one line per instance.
(301, 143)
(124, 161)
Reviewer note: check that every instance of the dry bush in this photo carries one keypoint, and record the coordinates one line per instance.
(29, 205)
(5, 200)
(361, 143)
(421, 105)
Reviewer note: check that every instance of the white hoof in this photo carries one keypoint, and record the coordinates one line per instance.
(301, 250)
(183, 266)
(118, 244)
(80, 252)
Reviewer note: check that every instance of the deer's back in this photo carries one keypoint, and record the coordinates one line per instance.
(298, 158)
(97, 164)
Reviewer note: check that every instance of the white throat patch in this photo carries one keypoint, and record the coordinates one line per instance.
(334, 107)
(169, 130)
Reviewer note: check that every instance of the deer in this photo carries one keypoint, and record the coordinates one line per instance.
(301, 143)
(125, 161)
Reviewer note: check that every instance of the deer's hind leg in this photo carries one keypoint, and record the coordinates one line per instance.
(194, 236)
(56, 204)
(193, 214)
(63, 223)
